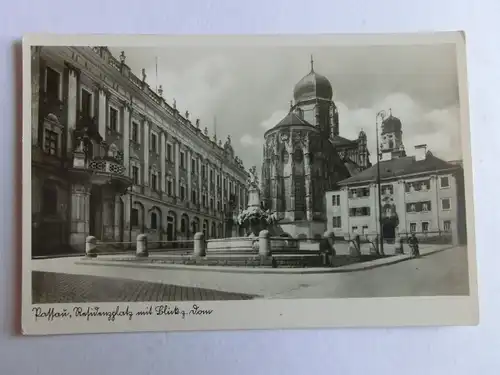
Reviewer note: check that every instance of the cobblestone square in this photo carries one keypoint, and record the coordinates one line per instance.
(49, 287)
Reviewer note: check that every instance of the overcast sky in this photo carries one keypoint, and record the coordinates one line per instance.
(249, 90)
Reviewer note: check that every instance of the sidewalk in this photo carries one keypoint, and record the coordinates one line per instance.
(108, 261)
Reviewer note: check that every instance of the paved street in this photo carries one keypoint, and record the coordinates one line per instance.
(51, 287)
(442, 273)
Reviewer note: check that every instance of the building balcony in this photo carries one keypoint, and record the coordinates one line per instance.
(100, 171)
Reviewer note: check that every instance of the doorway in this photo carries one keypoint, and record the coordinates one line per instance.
(389, 232)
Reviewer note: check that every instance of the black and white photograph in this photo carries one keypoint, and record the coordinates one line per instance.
(246, 182)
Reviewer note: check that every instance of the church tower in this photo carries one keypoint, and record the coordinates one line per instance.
(313, 103)
(391, 146)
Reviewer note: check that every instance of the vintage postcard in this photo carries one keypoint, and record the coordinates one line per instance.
(246, 182)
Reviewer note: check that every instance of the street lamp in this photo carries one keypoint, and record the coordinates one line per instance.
(380, 117)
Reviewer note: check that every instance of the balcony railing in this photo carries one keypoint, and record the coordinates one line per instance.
(107, 166)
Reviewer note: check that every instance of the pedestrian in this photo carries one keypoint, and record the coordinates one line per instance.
(413, 242)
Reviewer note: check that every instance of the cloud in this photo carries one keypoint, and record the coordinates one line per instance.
(272, 120)
(438, 128)
(246, 87)
(247, 141)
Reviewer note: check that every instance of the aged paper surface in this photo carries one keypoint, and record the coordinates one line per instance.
(246, 182)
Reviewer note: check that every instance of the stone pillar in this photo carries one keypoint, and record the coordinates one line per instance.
(142, 246)
(72, 108)
(108, 214)
(103, 112)
(127, 236)
(163, 170)
(264, 243)
(80, 213)
(126, 137)
(146, 153)
(177, 158)
(117, 219)
(91, 247)
(199, 245)
(35, 94)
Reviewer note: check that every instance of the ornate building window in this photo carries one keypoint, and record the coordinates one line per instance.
(134, 132)
(154, 143)
(136, 215)
(169, 186)
(153, 221)
(154, 180)
(86, 100)
(52, 135)
(113, 119)
(53, 83)
(135, 175)
(183, 160)
(51, 142)
(183, 193)
(170, 154)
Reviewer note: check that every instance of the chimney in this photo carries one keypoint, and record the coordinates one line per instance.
(420, 152)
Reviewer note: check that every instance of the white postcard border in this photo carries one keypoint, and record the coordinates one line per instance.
(259, 313)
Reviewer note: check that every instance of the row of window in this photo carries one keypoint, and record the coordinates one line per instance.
(424, 226)
(53, 88)
(422, 185)
(154, 223)
(425, 206)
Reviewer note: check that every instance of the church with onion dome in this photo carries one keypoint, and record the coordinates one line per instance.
(305, 156)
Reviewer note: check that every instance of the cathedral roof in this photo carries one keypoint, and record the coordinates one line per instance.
(391, 125)
(341, 141)
(312, 86)
(291, 119)
(400, 167)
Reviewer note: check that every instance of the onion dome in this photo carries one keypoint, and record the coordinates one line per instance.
(312, 86)
(391, 125)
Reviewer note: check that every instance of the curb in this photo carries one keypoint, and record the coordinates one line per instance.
(279, 271)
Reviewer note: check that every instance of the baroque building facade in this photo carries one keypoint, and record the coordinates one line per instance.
(111, 158)
(421, 193)
(304, 156)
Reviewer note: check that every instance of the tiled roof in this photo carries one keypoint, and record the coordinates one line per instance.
(400, 167)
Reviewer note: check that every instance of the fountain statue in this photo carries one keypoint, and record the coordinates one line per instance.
(254, 218)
